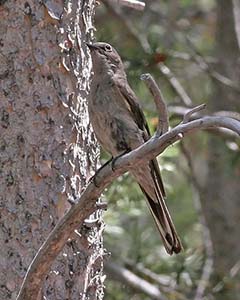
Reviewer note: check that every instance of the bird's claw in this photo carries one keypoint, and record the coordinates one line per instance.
(93, 178)
(114, 159)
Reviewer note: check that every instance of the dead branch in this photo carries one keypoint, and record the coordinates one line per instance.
(86, 205)
(228, 113)
(180, 111)
(164, 281)
(161, 106)
(204, 65)
(143, 44)
(138, 5)
(208, 264)
(175, 84)
(236, 13)
(125, 22)
(188, 57)
(134, 281)
(167, 284)
(187, 116)
(234, 271)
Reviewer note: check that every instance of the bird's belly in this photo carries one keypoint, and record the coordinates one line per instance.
(114, 129)
(101, 120)
(104, 135)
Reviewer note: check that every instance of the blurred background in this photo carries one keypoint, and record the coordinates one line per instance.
(192, 50)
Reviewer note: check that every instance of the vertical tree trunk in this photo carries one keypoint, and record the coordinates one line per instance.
(47, 148)
(221, 200)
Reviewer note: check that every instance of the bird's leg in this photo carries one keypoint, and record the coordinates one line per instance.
(93, 178)
(114, 159)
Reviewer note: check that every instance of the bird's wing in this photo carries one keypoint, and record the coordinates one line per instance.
(141, 121)
(156, 203)
(133, 104)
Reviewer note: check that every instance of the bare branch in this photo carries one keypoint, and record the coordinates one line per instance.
(164, 281)
(167, 284)
(228, 113)
(138, 5)
(180, 111)
(187, 115)
(161, 106)
(134, 281)
(125, 22)
(208, 264)
(236, 13)
(207, 269)
(206, 274)
(175, 84)
(143, 44)
(203, 64)
(188, 57)
(86, 205)
(234, 271)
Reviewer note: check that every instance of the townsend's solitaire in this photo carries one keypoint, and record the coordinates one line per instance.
(120, 126)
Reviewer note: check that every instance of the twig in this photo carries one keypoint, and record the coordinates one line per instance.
(134, 281)
(208, 264)
(228, 113)
(138, 5)
(161, 106)
(180, 111)
(236, 13)
(188, 57)
(163, 280)
(234, 271)
(187, 115)
(86, 204)
(193, 178)
(175, 84)
(167, 283)
(207, 269)
(203, 64)
(125, 21)
(145, 47)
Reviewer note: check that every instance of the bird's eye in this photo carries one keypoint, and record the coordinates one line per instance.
(108, 48)
(113, 67)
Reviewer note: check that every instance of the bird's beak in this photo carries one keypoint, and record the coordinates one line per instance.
(92, 47)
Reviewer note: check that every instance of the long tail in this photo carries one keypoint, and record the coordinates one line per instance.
(149, 179)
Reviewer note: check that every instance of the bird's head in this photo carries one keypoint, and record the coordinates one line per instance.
(105, 56)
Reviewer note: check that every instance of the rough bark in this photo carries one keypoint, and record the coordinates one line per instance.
(220, 200)
(47, 148)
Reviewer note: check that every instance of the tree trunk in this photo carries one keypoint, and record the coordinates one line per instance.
(47, 147)
(221, 200)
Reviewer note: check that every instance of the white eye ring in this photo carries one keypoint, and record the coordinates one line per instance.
(113, 67)
(108, 48)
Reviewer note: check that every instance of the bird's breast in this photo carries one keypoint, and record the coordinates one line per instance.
(111, 119)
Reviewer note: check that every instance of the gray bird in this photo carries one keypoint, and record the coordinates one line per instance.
(120, 126)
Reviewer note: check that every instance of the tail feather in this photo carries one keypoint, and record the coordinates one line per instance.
(165, 226)
(150, 182)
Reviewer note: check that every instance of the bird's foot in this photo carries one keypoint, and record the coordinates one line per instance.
(114, 159)
(94, 177)
(111, 161)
